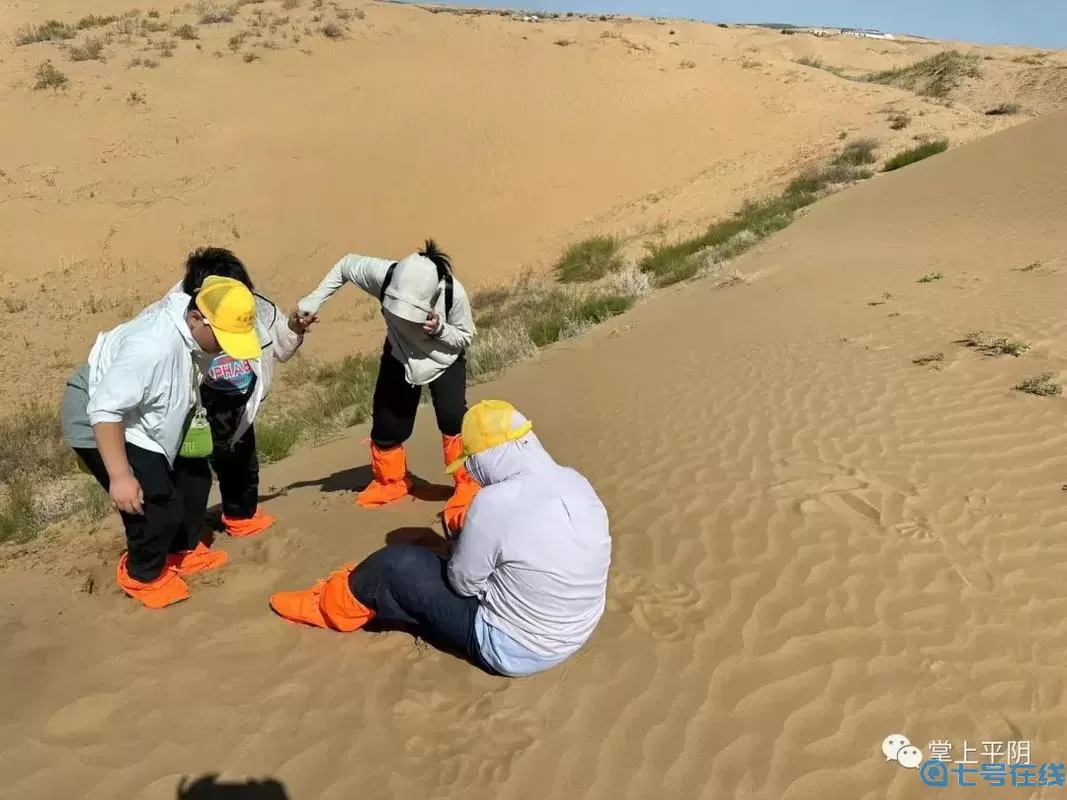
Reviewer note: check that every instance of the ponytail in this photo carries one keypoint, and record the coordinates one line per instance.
(439, 257)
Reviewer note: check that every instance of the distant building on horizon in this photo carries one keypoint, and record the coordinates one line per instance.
(865, 33)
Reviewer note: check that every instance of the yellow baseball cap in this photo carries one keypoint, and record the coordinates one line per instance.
(230, 309)
(489, 424)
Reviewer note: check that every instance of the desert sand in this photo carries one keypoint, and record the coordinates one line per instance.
(817, 542)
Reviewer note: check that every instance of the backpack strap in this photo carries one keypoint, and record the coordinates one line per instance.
(385, 283)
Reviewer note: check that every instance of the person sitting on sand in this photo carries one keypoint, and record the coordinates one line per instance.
(429, 327)
(234, 390)
(525, 584)
(130, 413)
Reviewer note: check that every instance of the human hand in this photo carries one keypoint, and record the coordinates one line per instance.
(300, 321)
(432, 323)
(127, 494)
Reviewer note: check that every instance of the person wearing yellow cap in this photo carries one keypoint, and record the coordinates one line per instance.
(525, 585)
(429, 327)
(132, 415)
(235, 390)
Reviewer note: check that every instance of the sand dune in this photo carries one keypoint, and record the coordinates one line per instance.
(483, 131)
(817, 541)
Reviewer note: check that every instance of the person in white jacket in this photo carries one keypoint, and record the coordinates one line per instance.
(234, 390)
(429, 326)
(525, 585)
(129, 412)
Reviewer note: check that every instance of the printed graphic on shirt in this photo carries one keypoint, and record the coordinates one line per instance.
(230, 376)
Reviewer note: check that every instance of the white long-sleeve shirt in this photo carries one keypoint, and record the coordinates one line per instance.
(143, 374)
(535, 551)
(424, 357)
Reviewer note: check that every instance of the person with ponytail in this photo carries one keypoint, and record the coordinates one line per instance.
(429, 327)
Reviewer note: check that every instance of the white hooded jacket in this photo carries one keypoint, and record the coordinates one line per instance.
(412, 294)
(535, 549)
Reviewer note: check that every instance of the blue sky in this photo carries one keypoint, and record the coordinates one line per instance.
(1039, 23)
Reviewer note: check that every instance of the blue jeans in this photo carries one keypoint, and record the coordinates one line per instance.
(408, 585)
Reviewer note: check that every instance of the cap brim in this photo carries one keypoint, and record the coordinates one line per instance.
(409, 312)
(242, 346)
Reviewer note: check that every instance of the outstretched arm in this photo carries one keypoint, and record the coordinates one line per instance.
(365, 272)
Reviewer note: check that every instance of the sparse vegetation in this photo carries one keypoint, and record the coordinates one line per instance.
(93, 21)
(91, 49)
(135, 98)
(935, 77)
(857, 153)
(881, 301)
(187, 32)
(211, 15)
(331, 30)
(1004, 110)
(51, 31)
(816, 62)
(994, 345)
(899, 120)
(31, 444)
(48, 77)
(1043, 385)
(914, 154)
(14, 306)
(289, 5)
(249, 57)
(1029, 267)
(929, 358)
(589, 260)
(930, 277)
(687, 63)
(19, 518)
(755, 221)
(237, 40)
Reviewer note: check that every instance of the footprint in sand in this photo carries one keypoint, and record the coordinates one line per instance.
(666, 609)
(885, 503)
(482, 736)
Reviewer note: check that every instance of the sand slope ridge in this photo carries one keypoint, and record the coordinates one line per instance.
(818, 542)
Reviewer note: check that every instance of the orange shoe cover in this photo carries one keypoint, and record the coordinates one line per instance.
(240, 528)
(455, 512)
(168, 588)
(199, 559)
(327, 604)
(391, 481)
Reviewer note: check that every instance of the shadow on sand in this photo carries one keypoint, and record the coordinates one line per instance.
(209, 787)
(354, 479)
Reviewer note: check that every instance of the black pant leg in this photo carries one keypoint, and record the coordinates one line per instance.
(149, 536)
(192, 482)
(449, 395)
(237, 469)
(395, 403)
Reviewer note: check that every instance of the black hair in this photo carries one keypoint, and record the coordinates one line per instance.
(206, 261)
(439, 257)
